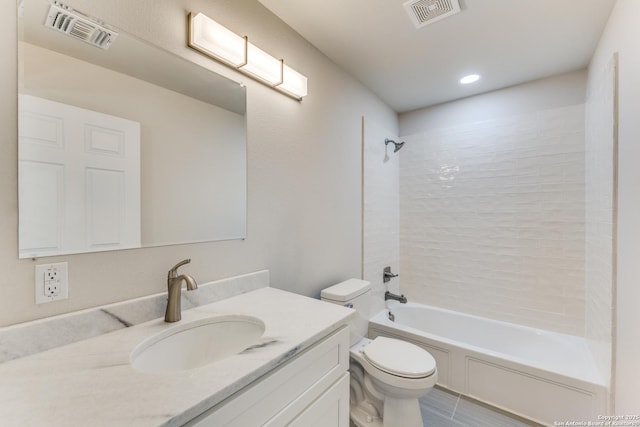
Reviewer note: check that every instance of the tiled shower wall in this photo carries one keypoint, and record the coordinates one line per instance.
(600, 172)
(381, 214)
(492, 218)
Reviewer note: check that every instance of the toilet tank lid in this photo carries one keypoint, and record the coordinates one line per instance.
(345, 291)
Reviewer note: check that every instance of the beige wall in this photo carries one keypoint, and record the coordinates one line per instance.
(304, 170)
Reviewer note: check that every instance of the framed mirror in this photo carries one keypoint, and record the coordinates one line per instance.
(122, 147)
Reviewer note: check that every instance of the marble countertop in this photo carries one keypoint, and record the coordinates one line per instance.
(91, 382)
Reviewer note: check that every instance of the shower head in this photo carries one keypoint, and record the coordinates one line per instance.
(398, 145)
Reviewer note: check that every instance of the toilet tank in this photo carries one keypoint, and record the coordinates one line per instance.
(356, 294)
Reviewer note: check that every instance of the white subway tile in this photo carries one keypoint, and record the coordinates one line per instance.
(497, 211)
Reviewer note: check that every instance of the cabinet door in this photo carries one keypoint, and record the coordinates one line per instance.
(280, 396)
(331, 409)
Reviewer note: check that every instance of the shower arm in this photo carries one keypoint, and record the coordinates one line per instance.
(397, 145)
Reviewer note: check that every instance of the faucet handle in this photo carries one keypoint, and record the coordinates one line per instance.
(174, 271)
(387, 275)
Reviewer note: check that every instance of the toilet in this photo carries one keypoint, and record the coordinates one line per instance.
(387, 375)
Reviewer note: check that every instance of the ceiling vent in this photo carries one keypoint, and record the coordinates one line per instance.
(425, 12)
(76, 25)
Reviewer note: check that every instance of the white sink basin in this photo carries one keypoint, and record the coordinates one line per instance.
(198, 343)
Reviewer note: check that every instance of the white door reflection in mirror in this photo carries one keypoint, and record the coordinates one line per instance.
(193, 141)
(79, 177)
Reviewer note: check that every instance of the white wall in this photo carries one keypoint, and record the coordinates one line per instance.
(381, 214)
(304, 170)
(621, 35)
(492, 218)
(599, 213)
(496, 272)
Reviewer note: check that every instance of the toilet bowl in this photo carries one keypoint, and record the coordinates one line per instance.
(387, 375)
(398, 373)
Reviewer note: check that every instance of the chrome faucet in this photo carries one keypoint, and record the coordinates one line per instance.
(174, 289)
(388, 295)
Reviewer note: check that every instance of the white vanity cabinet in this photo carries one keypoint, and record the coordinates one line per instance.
(311, 389)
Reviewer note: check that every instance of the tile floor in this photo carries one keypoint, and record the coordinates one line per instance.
(443, 408)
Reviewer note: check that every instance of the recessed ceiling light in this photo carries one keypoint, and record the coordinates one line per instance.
(471, 78)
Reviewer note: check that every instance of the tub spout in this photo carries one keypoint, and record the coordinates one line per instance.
(388, 295)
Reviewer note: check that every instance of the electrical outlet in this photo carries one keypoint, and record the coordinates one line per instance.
(52, 282)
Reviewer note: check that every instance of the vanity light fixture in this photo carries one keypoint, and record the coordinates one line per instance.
(471, 78)
(217, 42)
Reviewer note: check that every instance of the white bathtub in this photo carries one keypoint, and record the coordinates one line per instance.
(544, 376)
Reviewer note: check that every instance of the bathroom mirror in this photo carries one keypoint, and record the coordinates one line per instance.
(125, 147)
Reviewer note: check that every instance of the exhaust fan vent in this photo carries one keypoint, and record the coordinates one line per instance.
(70, 22)
(425, 12)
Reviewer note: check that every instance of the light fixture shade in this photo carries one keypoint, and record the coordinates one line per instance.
(211, 38)
(263, 65)
(217, 42)
(293, 82)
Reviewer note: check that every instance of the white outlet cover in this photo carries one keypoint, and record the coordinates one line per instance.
(60, 271)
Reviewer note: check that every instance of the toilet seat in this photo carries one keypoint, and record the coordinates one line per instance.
(399, 358)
